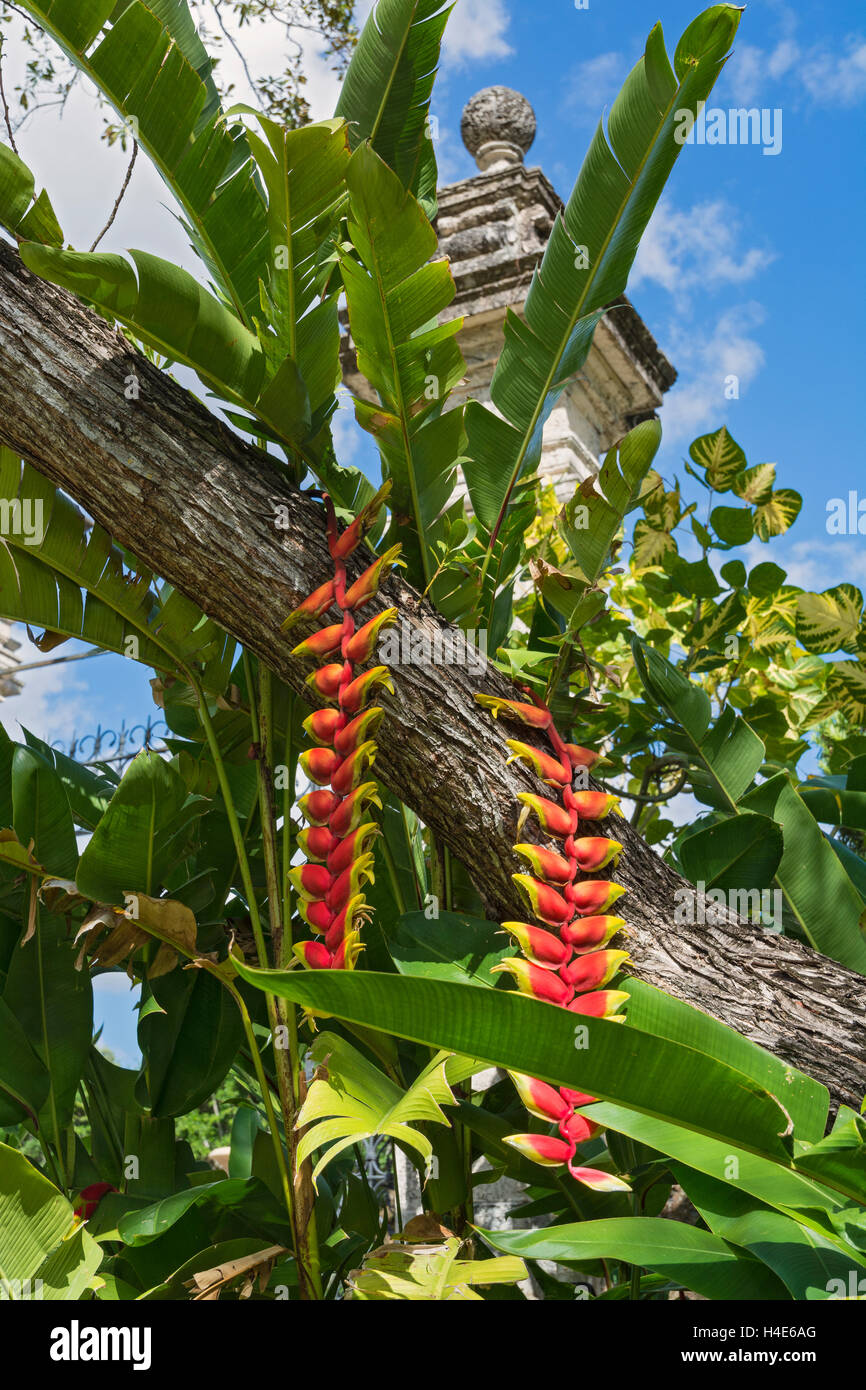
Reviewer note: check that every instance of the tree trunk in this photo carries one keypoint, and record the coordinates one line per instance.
(200, 507)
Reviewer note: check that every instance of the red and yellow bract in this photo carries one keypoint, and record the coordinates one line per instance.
(339, 831)
(564, 961)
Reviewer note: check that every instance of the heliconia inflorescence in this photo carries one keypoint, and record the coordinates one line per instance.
(339, 834)
(566, 960)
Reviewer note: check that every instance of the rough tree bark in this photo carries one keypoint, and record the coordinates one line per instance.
(199, 506)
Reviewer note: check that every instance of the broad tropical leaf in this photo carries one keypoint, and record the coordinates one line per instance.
(592, 520)
(60, 573)
(132, 847)
(27, 215)
(831, 621)
(304, 174)
(697, 1260)
(647, 1073)
(742, 852)
(805, 1259)
(422, 1265)
(350, 1100)
(139, 56)
(385, 95)
(815, 886)
(590, 254)
(42, 1254)
(393, 295)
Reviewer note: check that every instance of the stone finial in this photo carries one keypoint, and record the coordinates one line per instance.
(498, 127)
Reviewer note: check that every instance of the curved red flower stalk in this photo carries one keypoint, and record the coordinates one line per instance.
(564, 960)
(339, 833)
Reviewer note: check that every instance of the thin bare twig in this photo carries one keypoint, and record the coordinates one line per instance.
(7, 118)
(119, 198)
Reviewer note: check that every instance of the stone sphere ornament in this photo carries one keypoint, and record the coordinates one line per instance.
(498, 127)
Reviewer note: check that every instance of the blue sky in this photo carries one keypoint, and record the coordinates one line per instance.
(752, 264)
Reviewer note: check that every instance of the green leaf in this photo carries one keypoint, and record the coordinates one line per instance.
(698, 1260)
(614, 492)
(839, 1160)
(773, 517)
(742, 852)
(23, 213)
(766, 579)
(188, 1042)
(385, 95)
(53, 1003)
(392, 296)
(131, 848)
(41, 585)
(37, 1237)
(814, 883)
(24, 1079)
(304, 173)
(749, 1174)
(166, 307)
(41, 813)
(428, 1272)
(150, 67)
(732, 524)
(830, 622)
(505, 1029)
(588, 259)
(805, 1100)
(351, 1100)
(451, 946)
(731, 753)
(804, 1259)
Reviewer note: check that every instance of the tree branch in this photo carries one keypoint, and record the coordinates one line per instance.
(199, 506)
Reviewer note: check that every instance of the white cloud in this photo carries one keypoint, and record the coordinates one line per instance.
(836, 79)
(476, 31)
(697, 400)
(592, 85)
(819, 565)
(821, 74)
(683, 249)
(54, 702)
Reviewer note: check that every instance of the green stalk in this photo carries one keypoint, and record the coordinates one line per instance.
(311, 1282)
(283, 1015)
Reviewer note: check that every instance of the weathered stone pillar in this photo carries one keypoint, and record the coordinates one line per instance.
(494, 227)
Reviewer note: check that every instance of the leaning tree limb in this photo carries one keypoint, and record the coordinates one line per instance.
(199, 506)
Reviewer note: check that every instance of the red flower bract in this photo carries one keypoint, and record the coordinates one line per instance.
(337, 839)
(567, 966)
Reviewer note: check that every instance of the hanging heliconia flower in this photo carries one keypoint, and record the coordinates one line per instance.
(339, 834)
(565, 960)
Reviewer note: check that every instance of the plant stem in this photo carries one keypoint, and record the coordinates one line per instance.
(287, 1065)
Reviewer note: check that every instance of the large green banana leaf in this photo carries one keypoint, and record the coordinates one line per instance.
(590, 253)
(805, 1259)
(144, 58)
(304, 174)
(393, 295)
(41, 1253)
(23, 212)
(386, 92)
(650, 1074)
(62, 574)
(699, 1260)
(167, 308)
